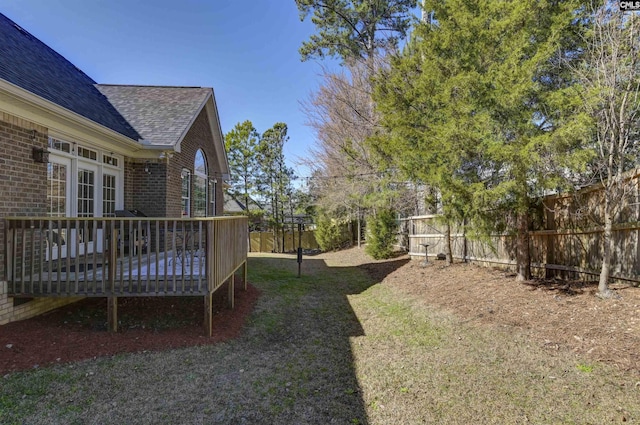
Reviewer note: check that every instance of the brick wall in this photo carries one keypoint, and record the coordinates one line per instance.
(11, 313)
(146, 191)
(23, 182)
(23, 192)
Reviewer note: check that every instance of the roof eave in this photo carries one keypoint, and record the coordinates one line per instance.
(51, 110)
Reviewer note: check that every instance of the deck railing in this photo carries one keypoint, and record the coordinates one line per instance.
(111, 257)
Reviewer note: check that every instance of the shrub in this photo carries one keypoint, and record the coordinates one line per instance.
(381, 235)
(328, 233)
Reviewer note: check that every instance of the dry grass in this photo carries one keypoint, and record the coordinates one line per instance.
(335, 346)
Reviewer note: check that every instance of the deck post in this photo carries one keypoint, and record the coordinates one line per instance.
(232, 281)
(112, 313)
(208, 314)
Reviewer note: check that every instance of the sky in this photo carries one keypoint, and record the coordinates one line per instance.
(247, 50)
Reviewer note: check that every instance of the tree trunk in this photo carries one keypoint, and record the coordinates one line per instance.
(465, 252)
(284, 235)
(350, 230)
(607, 248)
(448, 249)
(359, 229)
(523, 255)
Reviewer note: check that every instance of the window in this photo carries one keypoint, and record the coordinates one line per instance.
(87, 153)
(86, 191)
(59, 145)
(186, 193)
(56, 190)
(200, 185)
(110, 160)
(108, 195)
(86, 200)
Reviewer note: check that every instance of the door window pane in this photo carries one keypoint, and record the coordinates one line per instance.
(86, 193)
(56, 203)
(56, 189)
(108, 195)
(86, 196)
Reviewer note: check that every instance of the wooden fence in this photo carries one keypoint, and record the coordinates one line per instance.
(263, 241)
(570, 253)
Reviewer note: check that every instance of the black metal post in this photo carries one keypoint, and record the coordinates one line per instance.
(299, 247)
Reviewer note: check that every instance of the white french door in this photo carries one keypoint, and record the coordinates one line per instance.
(87, 186)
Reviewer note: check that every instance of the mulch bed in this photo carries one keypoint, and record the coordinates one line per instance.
(79, 331)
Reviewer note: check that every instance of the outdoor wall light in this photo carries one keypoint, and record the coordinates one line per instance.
(146, 167)
(165, 155)
(40, 155)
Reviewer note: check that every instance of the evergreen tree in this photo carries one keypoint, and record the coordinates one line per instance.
(275, 178)
(241, 144)
(477, 106)
(354, 29)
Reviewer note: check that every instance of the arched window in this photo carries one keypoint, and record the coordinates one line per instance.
(200, 185)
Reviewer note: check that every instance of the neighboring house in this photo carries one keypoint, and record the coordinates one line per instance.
(235, 205)
(70, 147)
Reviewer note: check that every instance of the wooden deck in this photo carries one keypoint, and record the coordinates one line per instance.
(124, 257)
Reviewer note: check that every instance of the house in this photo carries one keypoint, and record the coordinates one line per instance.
(235, 205)
(70, 147)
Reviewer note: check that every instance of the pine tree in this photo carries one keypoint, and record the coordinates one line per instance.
(275, 178)
(354, 29)
(476, 107)
(241, 144)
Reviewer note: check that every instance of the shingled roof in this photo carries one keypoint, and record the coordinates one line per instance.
(161, 114)
(31, 65)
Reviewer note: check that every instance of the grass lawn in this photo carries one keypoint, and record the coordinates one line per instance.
(334, 346)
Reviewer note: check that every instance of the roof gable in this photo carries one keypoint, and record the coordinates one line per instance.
(31, 65)
(162, 115)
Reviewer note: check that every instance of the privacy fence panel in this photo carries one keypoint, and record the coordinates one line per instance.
(567, 254)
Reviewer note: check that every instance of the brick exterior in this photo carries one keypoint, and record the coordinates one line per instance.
(159, 192)
(146, 192)
(23, 192)
(23, 182)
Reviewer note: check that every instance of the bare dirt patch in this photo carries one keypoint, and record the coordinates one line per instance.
(79, 331)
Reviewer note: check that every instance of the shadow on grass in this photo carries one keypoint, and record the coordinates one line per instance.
(305, 326)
